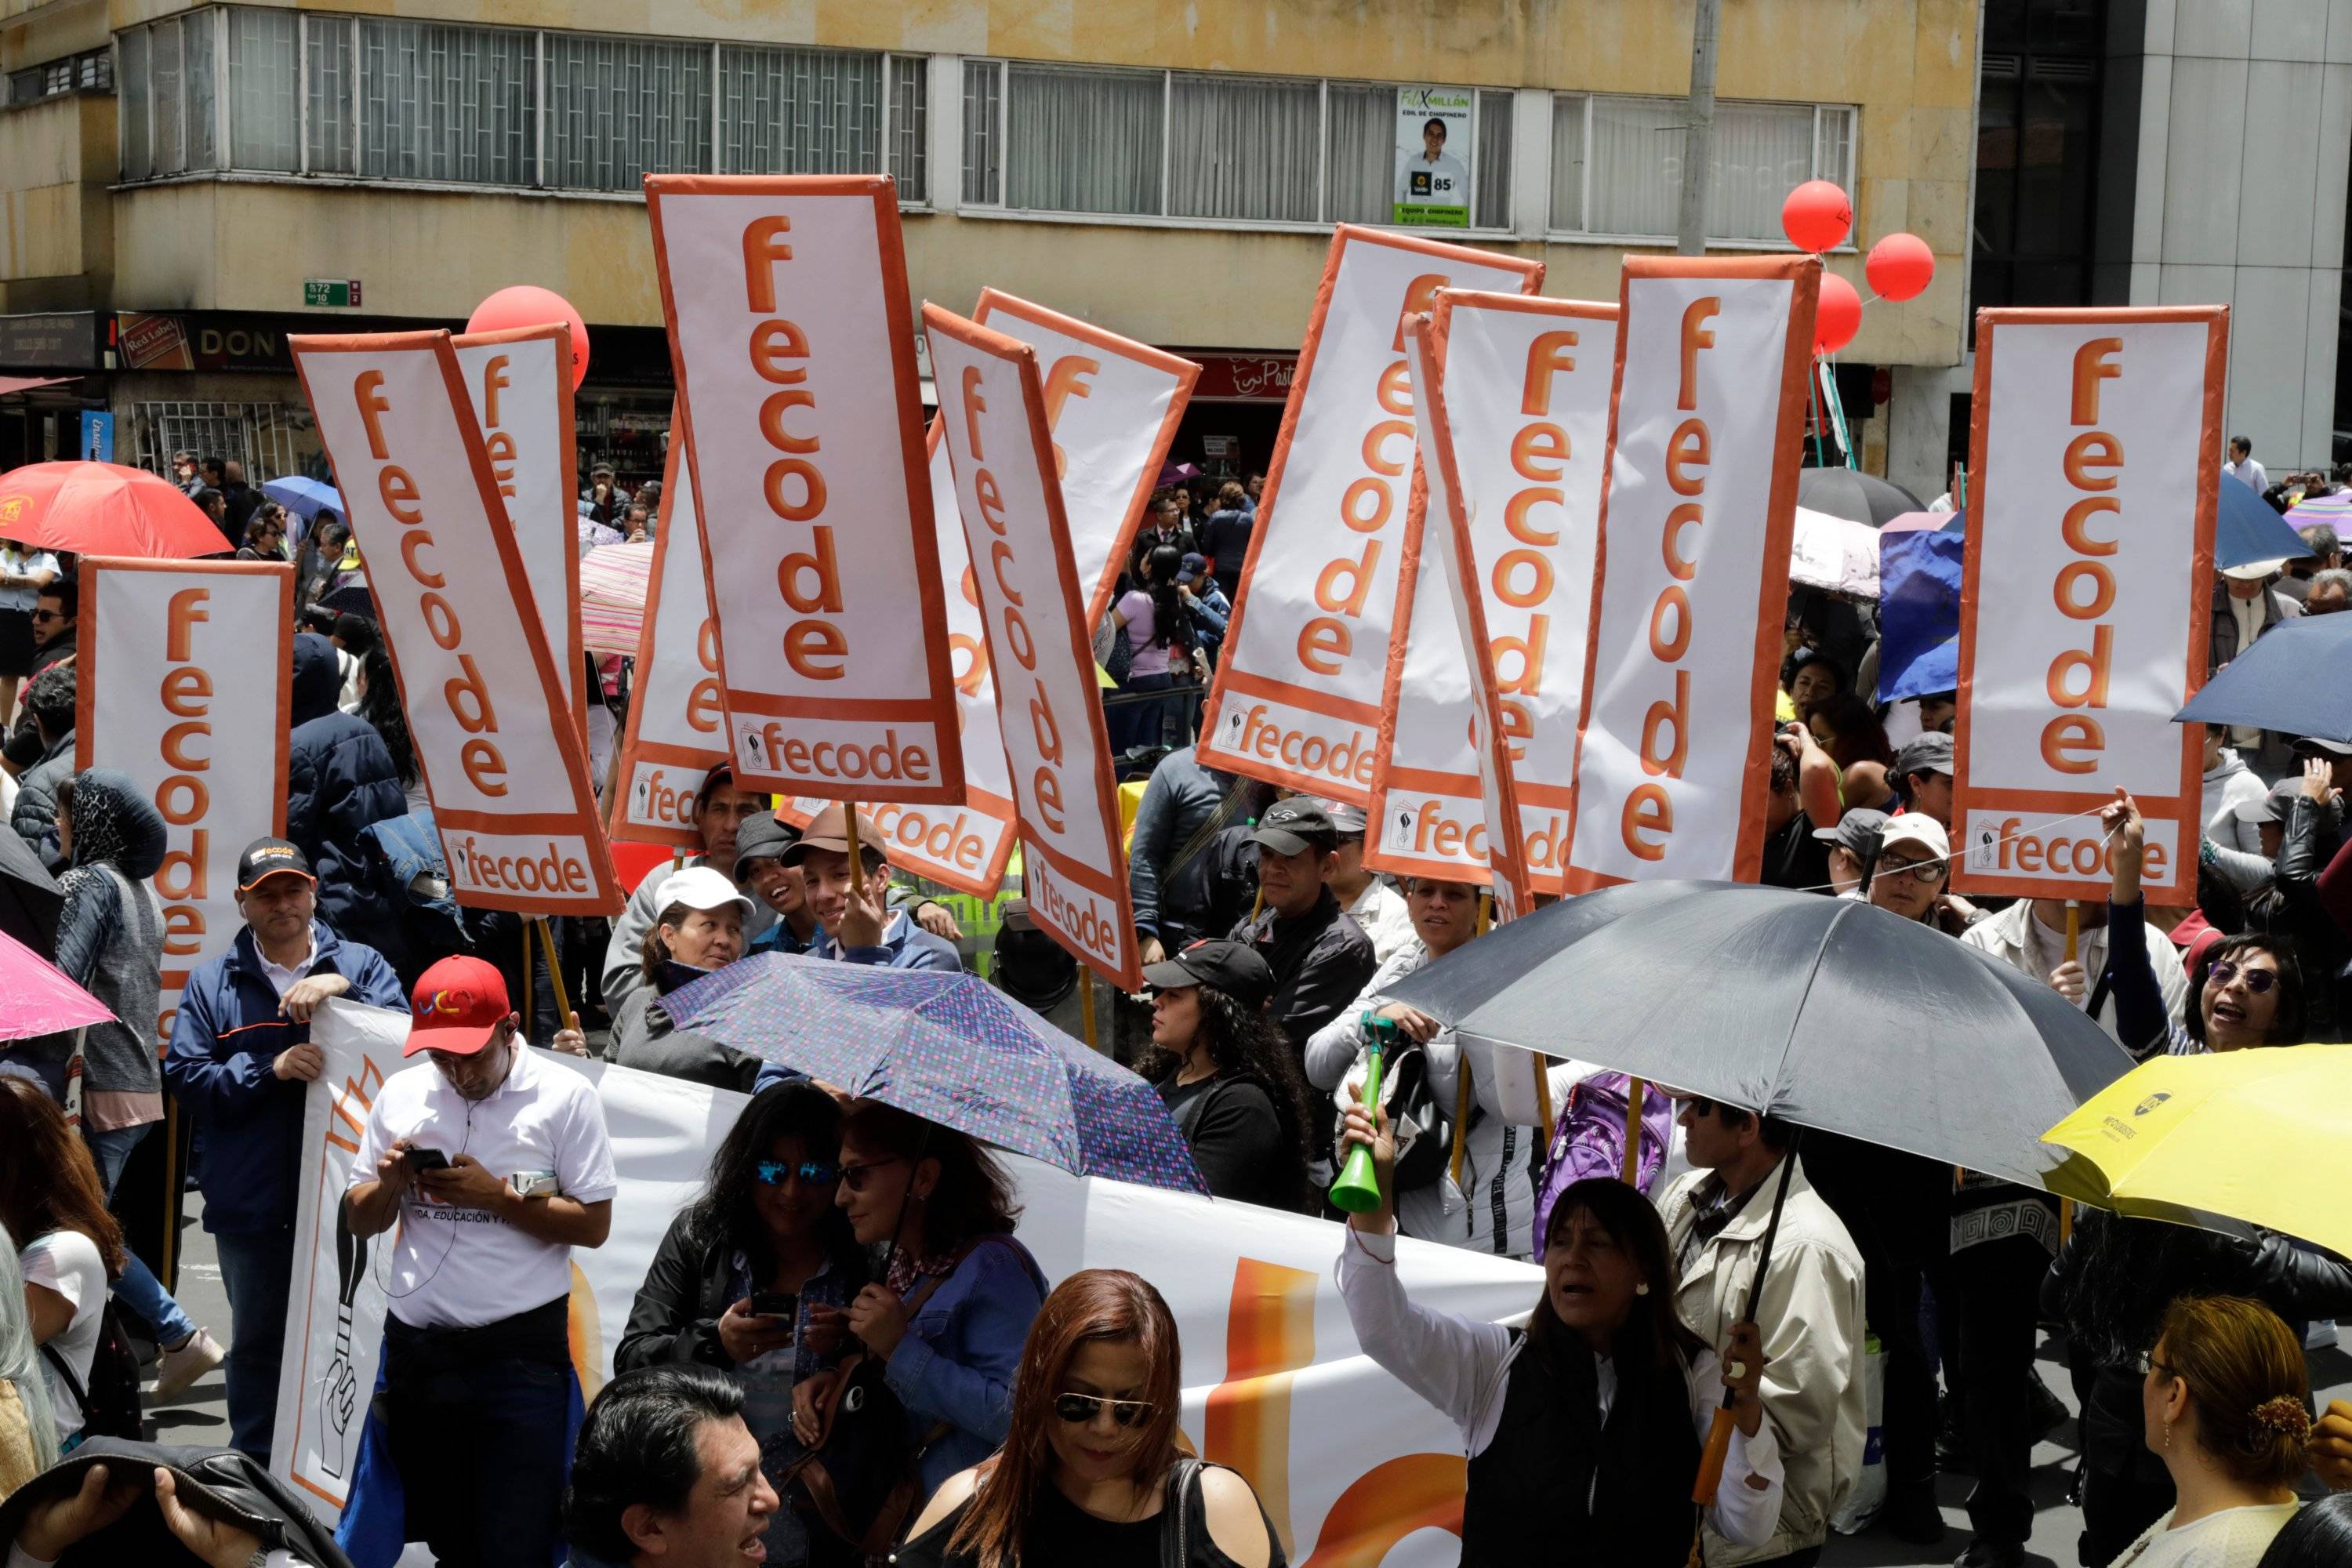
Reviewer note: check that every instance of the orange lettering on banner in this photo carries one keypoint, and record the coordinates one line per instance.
(183, 878)
(1523, 579)
(1063, 381)
(499, 442)
(2083, 589)
(1647, 821)
(809, 581)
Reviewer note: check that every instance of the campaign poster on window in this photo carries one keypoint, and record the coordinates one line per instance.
(1432, 159)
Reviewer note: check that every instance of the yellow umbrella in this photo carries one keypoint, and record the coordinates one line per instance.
(2261, 1136)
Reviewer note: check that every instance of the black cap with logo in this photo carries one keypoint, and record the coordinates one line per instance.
(1293, 825)
(1233, 967)
(270, 857)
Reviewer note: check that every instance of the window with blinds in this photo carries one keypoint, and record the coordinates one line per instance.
(265, 77)
(1617, 164)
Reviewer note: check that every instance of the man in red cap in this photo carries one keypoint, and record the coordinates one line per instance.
(495, 1164)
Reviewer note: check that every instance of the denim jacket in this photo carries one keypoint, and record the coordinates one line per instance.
(962, 1345)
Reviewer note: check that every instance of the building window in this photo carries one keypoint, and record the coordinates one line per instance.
(137, 152)
(202, 75)
(2037, 145)
(798, 112)
(331, 93)
(621, 109)
(89, 71)
(1243, 149)
(446, 103)
(1616, 167)
(265, 77)
(907, 126)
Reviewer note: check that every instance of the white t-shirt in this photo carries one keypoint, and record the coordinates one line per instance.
(1443, 183)
(460, 1268)
(67, 1262)
(17, 564)
(2232, 1538)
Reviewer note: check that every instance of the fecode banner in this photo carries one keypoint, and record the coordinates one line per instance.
(1298, 695)
(167, 693)
(1352, 1469)
(1673, 754)
(992, 404)
(962, 846)
(1526, 384)
(2092, 466)
(677, 723)
(498, 744)
(521, 385)
(1443, 793)
(1112, 404)
(794, 349)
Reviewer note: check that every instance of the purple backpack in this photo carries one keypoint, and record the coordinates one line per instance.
(1589, 1139)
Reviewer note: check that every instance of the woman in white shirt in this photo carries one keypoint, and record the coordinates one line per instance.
(50, 1193)
(2224, 1405)
(23, 574)
(1588, 1425)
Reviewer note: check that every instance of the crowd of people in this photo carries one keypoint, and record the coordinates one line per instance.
(842, 1349)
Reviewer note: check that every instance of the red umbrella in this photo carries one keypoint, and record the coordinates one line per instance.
(103, 509)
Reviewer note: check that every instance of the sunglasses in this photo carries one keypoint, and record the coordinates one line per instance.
(853, 1177)
(1919, 871)
(2258, 981)
(811, 1172)
(1080, 1408)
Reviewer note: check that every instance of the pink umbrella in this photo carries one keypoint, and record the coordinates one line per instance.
(612, 596)
(36, 997)
(103, 509)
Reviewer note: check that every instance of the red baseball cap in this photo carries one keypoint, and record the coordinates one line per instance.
(457, 1005)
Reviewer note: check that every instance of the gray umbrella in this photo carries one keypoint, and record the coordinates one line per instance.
(1854, 494)
(30, 898)
(1826, 1013)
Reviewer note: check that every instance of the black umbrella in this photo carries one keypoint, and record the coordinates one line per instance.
(1854, 494)
(30, 898)
(1826, 1013)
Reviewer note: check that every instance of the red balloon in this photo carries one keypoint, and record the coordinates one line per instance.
(528, 305)
(1839, 315)
(1816, 215)
(1900, 267)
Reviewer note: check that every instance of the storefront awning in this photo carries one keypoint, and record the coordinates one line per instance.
(9, 384)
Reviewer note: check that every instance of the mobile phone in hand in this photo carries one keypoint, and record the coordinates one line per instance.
(422, 1159)
(775, 1304)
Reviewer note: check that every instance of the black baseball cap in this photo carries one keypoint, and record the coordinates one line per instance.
(1233, 967)
(1195, 565)
(762, 837)
(1347, 821)
(1295, 825)
(1857, 830)
(270, 857)
(2321, 746)
(1927, 754)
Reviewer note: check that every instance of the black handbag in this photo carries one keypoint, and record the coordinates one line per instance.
(1423, 1129)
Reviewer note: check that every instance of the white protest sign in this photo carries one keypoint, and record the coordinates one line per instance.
(2092, 468)
(1352, 1467)
(167, 692)
(1299, 694)
(520, 381)
(497, 741)
(794, 349)
(992, 406)
(677, 721)
(1674, 758)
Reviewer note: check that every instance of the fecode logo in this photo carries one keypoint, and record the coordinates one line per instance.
(548, 866)
(1350, 758)
(656, 799)
(183, 881)
(889, 760)
(2084, 589)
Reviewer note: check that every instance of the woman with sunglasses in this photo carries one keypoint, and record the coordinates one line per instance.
(2248, 991)
(1089, 1473)
(1586, 1426)
(745, 1273)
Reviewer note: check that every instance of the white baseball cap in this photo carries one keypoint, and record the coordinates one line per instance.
(1919, 829)
(701, 888)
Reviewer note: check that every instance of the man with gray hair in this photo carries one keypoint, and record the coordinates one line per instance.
(2329, 592)
(2326, 554)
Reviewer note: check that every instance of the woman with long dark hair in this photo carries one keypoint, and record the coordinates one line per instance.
(1151, 616)
(1089, 1473)
(2319, 1537)
(380, 706)
(956, 1292)
(69, 1247)
(744, 1270)
(2112, 1283)
(1228, 1076)
(2245, 991)
(1588, 1424)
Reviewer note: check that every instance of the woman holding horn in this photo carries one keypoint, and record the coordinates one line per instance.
(1588, 1426)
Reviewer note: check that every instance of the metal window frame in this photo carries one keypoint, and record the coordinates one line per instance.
(221, 157)
(1587, 235)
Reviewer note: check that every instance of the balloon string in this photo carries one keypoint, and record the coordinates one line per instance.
(1995, 843)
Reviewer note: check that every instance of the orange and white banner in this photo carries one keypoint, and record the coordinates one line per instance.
(167, 693)
(794, 348)
(2093, 469)
(1444, 795)
(501, 753)
(1074, 861)
(677, 723)
(521, 385)
(1112, 404)
(1673, 759)
(1298, 695)
(1525, 384)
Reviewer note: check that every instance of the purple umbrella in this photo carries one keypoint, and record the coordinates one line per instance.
(950, 1049)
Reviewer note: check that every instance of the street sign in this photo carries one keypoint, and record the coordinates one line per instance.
(331, 294)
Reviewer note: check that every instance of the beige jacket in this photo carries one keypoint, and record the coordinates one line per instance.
(1813, 1322)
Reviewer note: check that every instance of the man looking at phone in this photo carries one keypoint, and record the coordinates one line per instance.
(495, 1164)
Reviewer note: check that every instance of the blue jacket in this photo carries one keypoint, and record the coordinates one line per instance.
(340, 781)
(229, 1033)
(962, 1349)
(904, 945)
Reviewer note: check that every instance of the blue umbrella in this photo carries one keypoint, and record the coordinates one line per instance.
(2283, 681)
(950, 1049)
(2245, 530)
(307, 498)
(1919, 604)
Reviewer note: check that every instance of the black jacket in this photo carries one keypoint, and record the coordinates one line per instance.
(2290, 906)
(340, 780)
(1321, 962)
(220, 1483)
(677, 1312)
